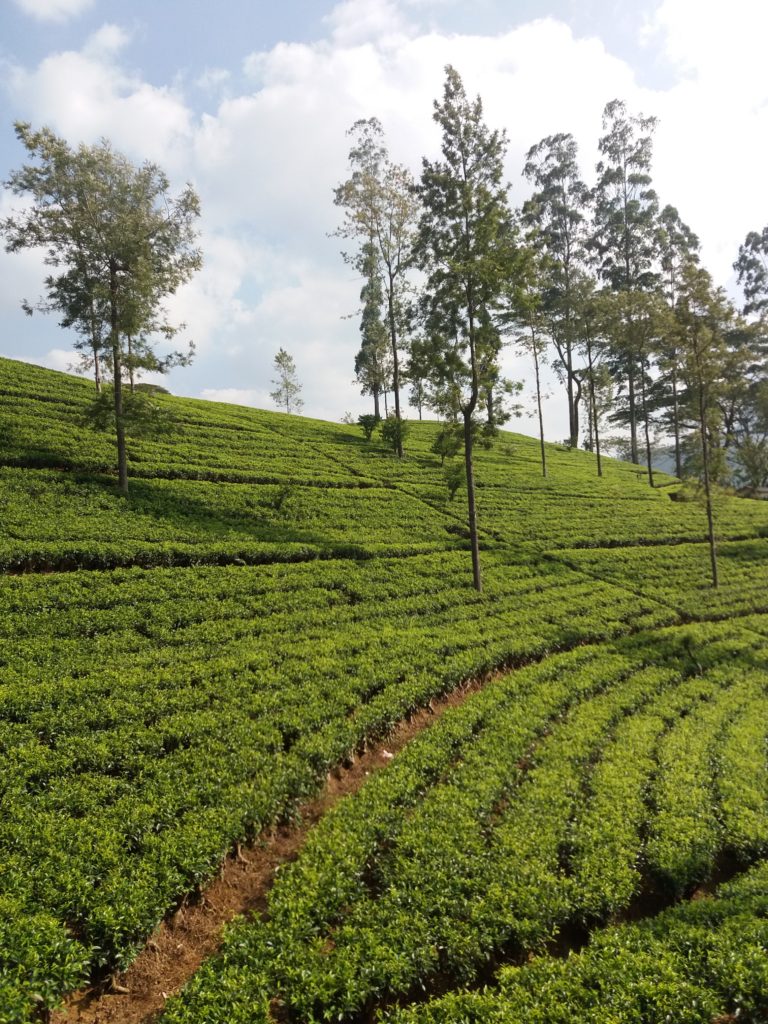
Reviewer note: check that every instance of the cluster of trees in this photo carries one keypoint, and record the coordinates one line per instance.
(118, 243)
(601, 282)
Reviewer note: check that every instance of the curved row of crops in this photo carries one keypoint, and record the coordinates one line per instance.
(309, 590)
(556, 795)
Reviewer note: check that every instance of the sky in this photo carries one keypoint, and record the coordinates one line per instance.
(251, 102)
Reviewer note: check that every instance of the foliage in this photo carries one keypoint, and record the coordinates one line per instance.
(122, 243)
(466, 246)
(455, 477)
(394, 432)
(380, 210)
(556, 217)
(448, 441)
(287, 386)
(752, 269)
(368, 423)
(306, 593)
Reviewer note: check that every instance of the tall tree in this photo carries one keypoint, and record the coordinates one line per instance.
(525, 312)
(380, 209)
(558, 211)
(625, 219)
(372, 363)
(752, 269)
(678, 248)
(287, 386)
(704, 318)
(636, 321)
(466, 247)
(590, 329)
(416, 372)
(115, 231)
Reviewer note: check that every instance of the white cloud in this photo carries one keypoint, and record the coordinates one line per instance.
(265, 161)
(712, 141)
(54, 10)
(236, 396)
(105, 42)
(85, 95)
(213, 79)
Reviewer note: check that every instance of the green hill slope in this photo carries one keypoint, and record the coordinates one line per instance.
(307, 591)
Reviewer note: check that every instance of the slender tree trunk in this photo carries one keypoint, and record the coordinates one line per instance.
(95, 347)
(395, 362)
(489, 407)
(593, 408)
(130, 365)
(386, 409)
(419, 399)
(376, 406)
(573, 440)
(645, 426)
(676, 428)
(472, 510)
(708, 488)
(632, 415)
(122, 454)
(97, 369)
(538, 405)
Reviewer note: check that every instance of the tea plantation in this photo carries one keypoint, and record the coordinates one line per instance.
(181, 669)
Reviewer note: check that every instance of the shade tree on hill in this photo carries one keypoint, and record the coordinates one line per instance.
(119, 243)
(373, 362)
(466, 248)
(557, 213)
(380, 211)
(678, 249)
(624, 240)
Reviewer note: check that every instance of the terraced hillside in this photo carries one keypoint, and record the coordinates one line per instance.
(182, 669)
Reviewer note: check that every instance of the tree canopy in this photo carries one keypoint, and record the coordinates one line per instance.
(118, 241)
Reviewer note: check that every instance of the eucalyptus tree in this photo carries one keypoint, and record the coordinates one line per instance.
(624, 242)
(704, 318)
(524, 311)
(416, 372)
(678, 248)
(116, 235)
(750, 422)
(590, 330)
(380, 210)
(372, 362)
(752, 269)
(651, 321)
(466, 247)
(558, 211)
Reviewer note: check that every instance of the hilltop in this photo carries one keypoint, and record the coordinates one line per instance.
(308, 590)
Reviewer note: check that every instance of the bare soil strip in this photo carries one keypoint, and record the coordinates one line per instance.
(183, 940)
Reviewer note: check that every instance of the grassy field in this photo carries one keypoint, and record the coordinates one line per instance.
(183, 668)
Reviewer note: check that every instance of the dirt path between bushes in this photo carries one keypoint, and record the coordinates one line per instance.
(180, 944)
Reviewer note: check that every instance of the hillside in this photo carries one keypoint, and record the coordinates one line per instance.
(307, 591)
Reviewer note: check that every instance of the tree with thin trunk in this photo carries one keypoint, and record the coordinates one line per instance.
(372, 362)
(380, 208)
(287, 386)
(557, 213)
(704, 317)
(625, 242)
(636, 322)
(525, 302)
(589, 320)
(678, 248)
(466, 247)
(115, 231)
(752, 269)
